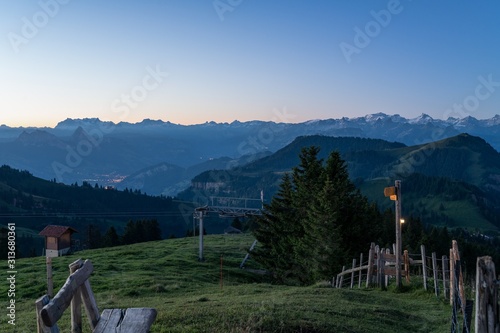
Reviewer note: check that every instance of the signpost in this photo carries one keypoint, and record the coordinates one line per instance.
(394, 193)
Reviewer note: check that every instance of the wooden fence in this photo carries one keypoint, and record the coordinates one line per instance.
(380, 268)
(447, 280)
(77, 293)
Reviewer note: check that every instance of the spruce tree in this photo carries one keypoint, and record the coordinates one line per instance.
(317, 219)
(329, 242)
(308, 180)
(111, 238)
(130, 234)
(275, 232)
(152, 230)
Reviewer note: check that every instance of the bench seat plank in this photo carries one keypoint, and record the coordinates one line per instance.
(133, 320)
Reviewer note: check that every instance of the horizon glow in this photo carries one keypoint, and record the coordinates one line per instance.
(189, 63)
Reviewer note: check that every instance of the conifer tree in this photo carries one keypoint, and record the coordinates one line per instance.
(308, 180)
(324, 214)
(275, 232)
(317, 218)
(152, 230)
(129, 236)
(111, 238)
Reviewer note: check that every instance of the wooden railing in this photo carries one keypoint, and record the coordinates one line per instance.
(77, 291)
(381, 266)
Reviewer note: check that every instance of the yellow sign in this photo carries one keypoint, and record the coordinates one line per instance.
(391, 193)
(388, 191)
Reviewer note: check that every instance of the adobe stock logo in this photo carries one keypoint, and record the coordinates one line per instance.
(363, 37)
(223, 6)
(140, 92)
(31, 27)
(408, 164)
(482, 92)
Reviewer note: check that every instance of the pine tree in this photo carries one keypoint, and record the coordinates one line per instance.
(317, 219)
(129, 235)
(152, 230)
(94, 237)
(324, 214)
(111, 238)
(275, 232)
(308, 179)
(343, 217)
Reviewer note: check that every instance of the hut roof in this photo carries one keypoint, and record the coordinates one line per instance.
(56, 230)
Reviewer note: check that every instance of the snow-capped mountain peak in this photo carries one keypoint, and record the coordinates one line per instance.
(422, 119)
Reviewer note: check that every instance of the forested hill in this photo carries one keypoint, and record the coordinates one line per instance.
(463, 157)
(466, 168)
(32, 203)
(288, 156)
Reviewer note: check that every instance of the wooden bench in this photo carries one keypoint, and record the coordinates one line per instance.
(76, 291)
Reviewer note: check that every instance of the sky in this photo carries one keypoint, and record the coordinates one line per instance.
(192, 61)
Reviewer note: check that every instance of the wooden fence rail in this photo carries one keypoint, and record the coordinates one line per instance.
(76, 292)
(381, 266)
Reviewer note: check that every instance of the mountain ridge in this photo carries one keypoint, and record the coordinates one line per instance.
(90, 149)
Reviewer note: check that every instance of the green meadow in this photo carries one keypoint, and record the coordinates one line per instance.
(191, 296)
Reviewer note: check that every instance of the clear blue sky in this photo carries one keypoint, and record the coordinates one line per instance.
(246, 59)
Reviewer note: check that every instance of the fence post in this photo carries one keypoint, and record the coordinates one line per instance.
(379, 262)
(41, 328)
(352, 273)
(444, 263)
(76, 302)
(435, 273)
(424, 265)
(461, 290)
(381, 269)
(452, 277)
(486, 296)
(407, 266)
(360, 271)
(369, 274)
(50, 282)
(341, 279)
(387, 251)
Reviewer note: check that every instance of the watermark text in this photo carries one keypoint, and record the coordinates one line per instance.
(11, 273)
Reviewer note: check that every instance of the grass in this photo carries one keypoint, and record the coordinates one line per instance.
(189, 297)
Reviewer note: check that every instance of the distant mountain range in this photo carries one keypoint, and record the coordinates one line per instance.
(161, 157)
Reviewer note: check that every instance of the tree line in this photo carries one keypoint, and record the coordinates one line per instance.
(135, 232)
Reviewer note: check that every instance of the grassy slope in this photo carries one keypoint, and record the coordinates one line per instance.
(167, 276)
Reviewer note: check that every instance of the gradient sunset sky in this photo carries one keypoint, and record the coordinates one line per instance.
(192, 61)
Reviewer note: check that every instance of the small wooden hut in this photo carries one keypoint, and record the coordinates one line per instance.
(57, 240)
